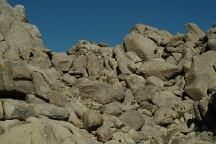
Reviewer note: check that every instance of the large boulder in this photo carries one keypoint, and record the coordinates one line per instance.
(142, 46)
(201, 76)
(101, 92)
(45, 131)
(161, 37)
(158, 68)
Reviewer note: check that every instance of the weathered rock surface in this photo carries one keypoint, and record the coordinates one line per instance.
(155, 88)
(130, 116)
(158, 68)
(142, 46)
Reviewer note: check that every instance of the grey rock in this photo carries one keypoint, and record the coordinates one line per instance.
(171, 60)
(50, 111)
(158, 68)
(142, 46)
(129, 117)
(14, 109)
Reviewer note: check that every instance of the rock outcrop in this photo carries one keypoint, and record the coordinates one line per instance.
(155, 88)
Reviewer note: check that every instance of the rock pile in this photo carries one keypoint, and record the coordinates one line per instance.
(155, 88)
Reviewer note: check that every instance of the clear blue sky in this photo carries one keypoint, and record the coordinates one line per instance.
(64, 22)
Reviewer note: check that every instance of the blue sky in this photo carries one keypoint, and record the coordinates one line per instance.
(64, 22)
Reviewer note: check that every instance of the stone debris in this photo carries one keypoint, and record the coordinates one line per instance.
(155, 88)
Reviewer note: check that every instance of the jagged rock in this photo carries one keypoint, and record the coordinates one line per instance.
(201, 76)
(164, 116)
(142, 46)
(92, 120)
(158, 68)
(130, 116)
(61, 61)
(161, 37)
(142, 87)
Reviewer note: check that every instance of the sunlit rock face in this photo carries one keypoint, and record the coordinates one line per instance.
(155, 87)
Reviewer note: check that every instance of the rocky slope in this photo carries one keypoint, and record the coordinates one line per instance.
(155, 88)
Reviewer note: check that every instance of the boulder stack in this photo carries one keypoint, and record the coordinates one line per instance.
(155, 88)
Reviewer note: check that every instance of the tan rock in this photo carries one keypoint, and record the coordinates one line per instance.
(142, 46)
(158, 68)
(92, 120)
